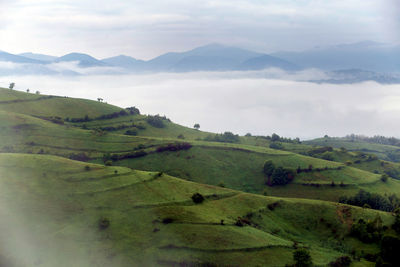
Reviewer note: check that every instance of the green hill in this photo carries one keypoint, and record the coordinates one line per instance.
(385, 152)
(83, 183)
(63, 212)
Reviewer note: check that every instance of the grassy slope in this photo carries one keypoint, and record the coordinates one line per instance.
(379, 150)
(237, 166)
(75, 199)
(47, 106)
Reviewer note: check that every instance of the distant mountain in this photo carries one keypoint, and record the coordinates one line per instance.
(41, 57)
(206, 58)
(266, 61)
(4, 56)
(83, 59)
(365, 55)
(124, 62)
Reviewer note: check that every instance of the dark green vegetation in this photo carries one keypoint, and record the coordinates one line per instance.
(83, 183)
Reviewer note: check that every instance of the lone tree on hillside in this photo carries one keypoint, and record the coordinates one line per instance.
(11, 86)
(27, 90)
(196, 126)
(100, 99)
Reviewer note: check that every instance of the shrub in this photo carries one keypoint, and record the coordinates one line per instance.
(174, 147)
(131, 132)
(104, 223)
(87, 168)
(276, 145)
(343, 261)
(221, 184)
(80, 156)
(281, 176)
(167, 220)
(155, 121)
(272, 206)
(302, 258)
(197, 198)
(226, 137)
(133, 111)
(269, 168)
(384, 178)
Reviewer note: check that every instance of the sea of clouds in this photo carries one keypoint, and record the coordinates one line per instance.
(261, 102)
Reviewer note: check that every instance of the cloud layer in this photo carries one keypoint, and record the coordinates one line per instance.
(238, 102)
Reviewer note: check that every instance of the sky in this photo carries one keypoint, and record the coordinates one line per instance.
(145, 29)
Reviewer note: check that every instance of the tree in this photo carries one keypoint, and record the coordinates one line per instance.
(275, 137)
(37, 92)
(197, 198)
(100, 99)
(269, 168)
(281, 176)
(196, 126)
(27, 90)
(302, 258)
(11, 86)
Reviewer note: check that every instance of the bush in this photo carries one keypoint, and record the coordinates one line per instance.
(281, 176)
(197, 198)
(80, 157)
(87, 168)
(104, 223)
(156, 121)
(167, 220)
(375, 201)
(131, 132)
(226, 137)
(276, 145)
(384, 178)
(174, 147)
(343, 261)
(269, 168)
(302, 258)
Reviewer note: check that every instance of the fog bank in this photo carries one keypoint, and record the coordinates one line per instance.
(232, 101)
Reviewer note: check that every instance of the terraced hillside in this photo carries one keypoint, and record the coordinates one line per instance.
(385, 152)
(83, 183)
(62, 213)
(237, 166)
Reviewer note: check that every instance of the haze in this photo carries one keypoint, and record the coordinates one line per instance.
(233, 101)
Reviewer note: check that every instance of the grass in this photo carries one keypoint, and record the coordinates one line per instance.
(52, 206)
(135, 203)
(382, 151)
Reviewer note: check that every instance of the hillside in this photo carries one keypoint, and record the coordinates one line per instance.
(385, 152)
(91, 184)
(115, 216)
(234, 165)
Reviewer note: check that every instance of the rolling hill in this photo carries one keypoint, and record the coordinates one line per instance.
(115, 216)
(85, 183)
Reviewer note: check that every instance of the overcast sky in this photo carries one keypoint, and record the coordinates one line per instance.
(145, 29)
